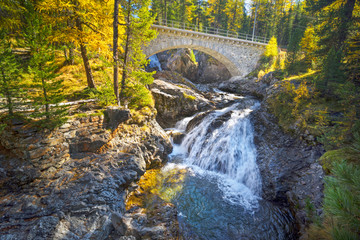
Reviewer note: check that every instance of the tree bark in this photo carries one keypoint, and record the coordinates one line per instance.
(345, 21)
(127, 43)
(115, 51)
(71, 55)
(8, 95)
(47, 107)
(89, 76)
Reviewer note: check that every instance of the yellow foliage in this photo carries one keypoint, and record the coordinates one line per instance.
(261, 74)
(271, 48)
(82, 21)
(309, 43)
(156, 183)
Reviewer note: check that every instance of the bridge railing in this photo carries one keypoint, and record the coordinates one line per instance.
(210, 30)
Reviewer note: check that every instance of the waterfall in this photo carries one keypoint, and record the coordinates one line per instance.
(222, 144)
(154, 62)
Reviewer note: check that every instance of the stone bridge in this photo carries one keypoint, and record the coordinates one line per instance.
(240, 56)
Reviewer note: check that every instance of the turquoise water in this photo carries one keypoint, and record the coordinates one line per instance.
(219, 196)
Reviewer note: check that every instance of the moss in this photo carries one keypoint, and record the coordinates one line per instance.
(98, 113)
(80, 115)
(155, 184)
(190, 97)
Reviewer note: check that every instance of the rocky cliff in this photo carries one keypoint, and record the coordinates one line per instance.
(71, 183)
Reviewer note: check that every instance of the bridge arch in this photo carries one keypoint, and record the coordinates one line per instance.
(239, 56)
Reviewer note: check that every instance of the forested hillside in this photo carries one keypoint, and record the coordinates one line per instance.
(53, 51)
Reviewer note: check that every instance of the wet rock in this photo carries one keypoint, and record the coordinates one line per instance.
(291, 174)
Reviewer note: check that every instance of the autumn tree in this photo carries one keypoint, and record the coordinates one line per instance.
(138, 21)
(233, 11)
(83, 23)
(309, 44)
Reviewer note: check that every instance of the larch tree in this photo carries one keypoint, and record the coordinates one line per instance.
(84, 23)
(234, 12)
(138, 21)
(309, 44)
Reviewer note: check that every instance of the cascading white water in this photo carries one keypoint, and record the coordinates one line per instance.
(154, 62)
(227, 151)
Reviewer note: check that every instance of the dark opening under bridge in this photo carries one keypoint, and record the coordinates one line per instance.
(238, 52)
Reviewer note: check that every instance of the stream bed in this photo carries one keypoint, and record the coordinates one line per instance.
(213, 180)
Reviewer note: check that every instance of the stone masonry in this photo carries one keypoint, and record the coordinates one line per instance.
(239, 56)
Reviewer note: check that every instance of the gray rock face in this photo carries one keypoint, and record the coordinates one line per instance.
(117, 116)
(181, 62)
(210, 70)
(74, 197)
(206, 70)
(291, 174)
(244, 86)
(175, 102)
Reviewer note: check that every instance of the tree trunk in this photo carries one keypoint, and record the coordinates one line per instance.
(71, 55)
(47, 106)
(66, 55)
(89, 76)
(115, 51)
(346, 18)
(8, 95)
(127, 43)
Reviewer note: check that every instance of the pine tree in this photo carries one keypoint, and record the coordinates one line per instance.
(234, 14)
(47, 87)
(10, 75)
(138, 21)
(342, 201)
(332, 73)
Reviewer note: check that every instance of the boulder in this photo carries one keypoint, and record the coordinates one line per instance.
(181, 62)
(211, 70)
(116, 116)
(174, 102)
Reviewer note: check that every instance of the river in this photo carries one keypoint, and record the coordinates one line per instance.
(213, 180)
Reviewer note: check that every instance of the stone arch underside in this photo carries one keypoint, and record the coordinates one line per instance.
(240, 59)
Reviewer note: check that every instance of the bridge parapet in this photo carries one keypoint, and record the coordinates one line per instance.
(210, 31)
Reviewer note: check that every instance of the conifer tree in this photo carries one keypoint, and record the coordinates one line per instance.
(47, 85)
(83, 23)
(10, 75)
(309, 44)
(234, 14)
(138, 21)
(271, 49)
(42, 67)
